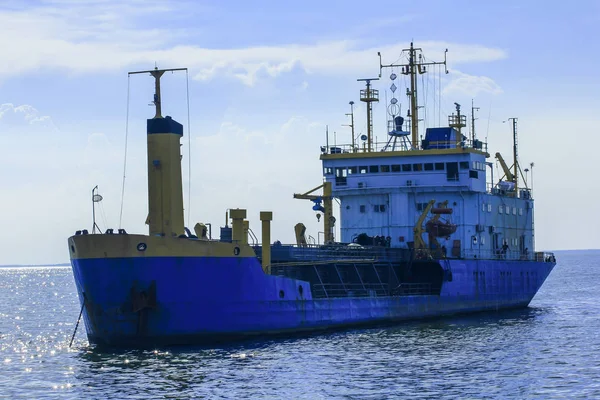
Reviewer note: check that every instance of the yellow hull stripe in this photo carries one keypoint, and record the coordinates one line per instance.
(121, 246)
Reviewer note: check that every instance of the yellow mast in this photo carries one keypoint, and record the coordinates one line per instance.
(413, 68)
(165, 194)
(368, 96)
(414, 107)
(266, 217)
(328, 218)
(458, 122)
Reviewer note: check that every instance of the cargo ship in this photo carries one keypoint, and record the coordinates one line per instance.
(422, 234)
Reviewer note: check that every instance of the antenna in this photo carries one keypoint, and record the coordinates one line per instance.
(415, 66)
(368, 96)
(473, 109)
(457, 121)
(532, 165)
(351, 125)
(515, 154)
(157, 73)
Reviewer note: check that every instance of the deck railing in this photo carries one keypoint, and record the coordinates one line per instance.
(498, 254)
(383, 147)
(310, 252)
(286, 254)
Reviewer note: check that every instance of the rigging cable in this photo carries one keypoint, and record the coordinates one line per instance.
(103, 215)
(187, 85)
(440, 96)
(425, 89)
(426, 93)
(434, 93)
(125, 156)
(488, 124)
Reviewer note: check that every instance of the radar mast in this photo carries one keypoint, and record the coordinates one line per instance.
(416, 65)
(157, 73)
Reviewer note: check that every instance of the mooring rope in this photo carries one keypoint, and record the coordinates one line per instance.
(78, 320)
(189, 205)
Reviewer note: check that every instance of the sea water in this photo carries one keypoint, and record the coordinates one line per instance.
(549, 350)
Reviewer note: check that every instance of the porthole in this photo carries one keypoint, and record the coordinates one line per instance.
(142, 246)
(236, 251)
(72, 249)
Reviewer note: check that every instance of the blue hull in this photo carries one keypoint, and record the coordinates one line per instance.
(157, 301)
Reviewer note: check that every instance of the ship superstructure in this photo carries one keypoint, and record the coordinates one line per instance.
(422, 234)
(383, 193)
(384, 189)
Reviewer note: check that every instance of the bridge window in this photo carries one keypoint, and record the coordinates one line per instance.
(362, 169)
(363, 209)
(374, 168)
(478, 165)
(520, 211)
(473, 174)
(417, 167)
(396, 168)
(406, 167)
(452, 171)
(340, 176)
(327, 170)
(439, 166)
(385, 168)
(379, 208)
(514, 210)
(489, 208)
(464, 165)
(428, 166)
(352, 170)
(500, 209)
(421, 206)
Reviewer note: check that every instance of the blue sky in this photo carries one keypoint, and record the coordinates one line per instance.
(265, 78)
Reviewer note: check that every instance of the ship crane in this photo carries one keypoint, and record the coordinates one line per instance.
(507, 172)
(326, 207)
(434, 228)
(512, 173)
(420, 246)
(437, 228)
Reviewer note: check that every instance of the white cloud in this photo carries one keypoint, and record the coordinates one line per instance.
(470, 85)
(104, 36)
(23, 114)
